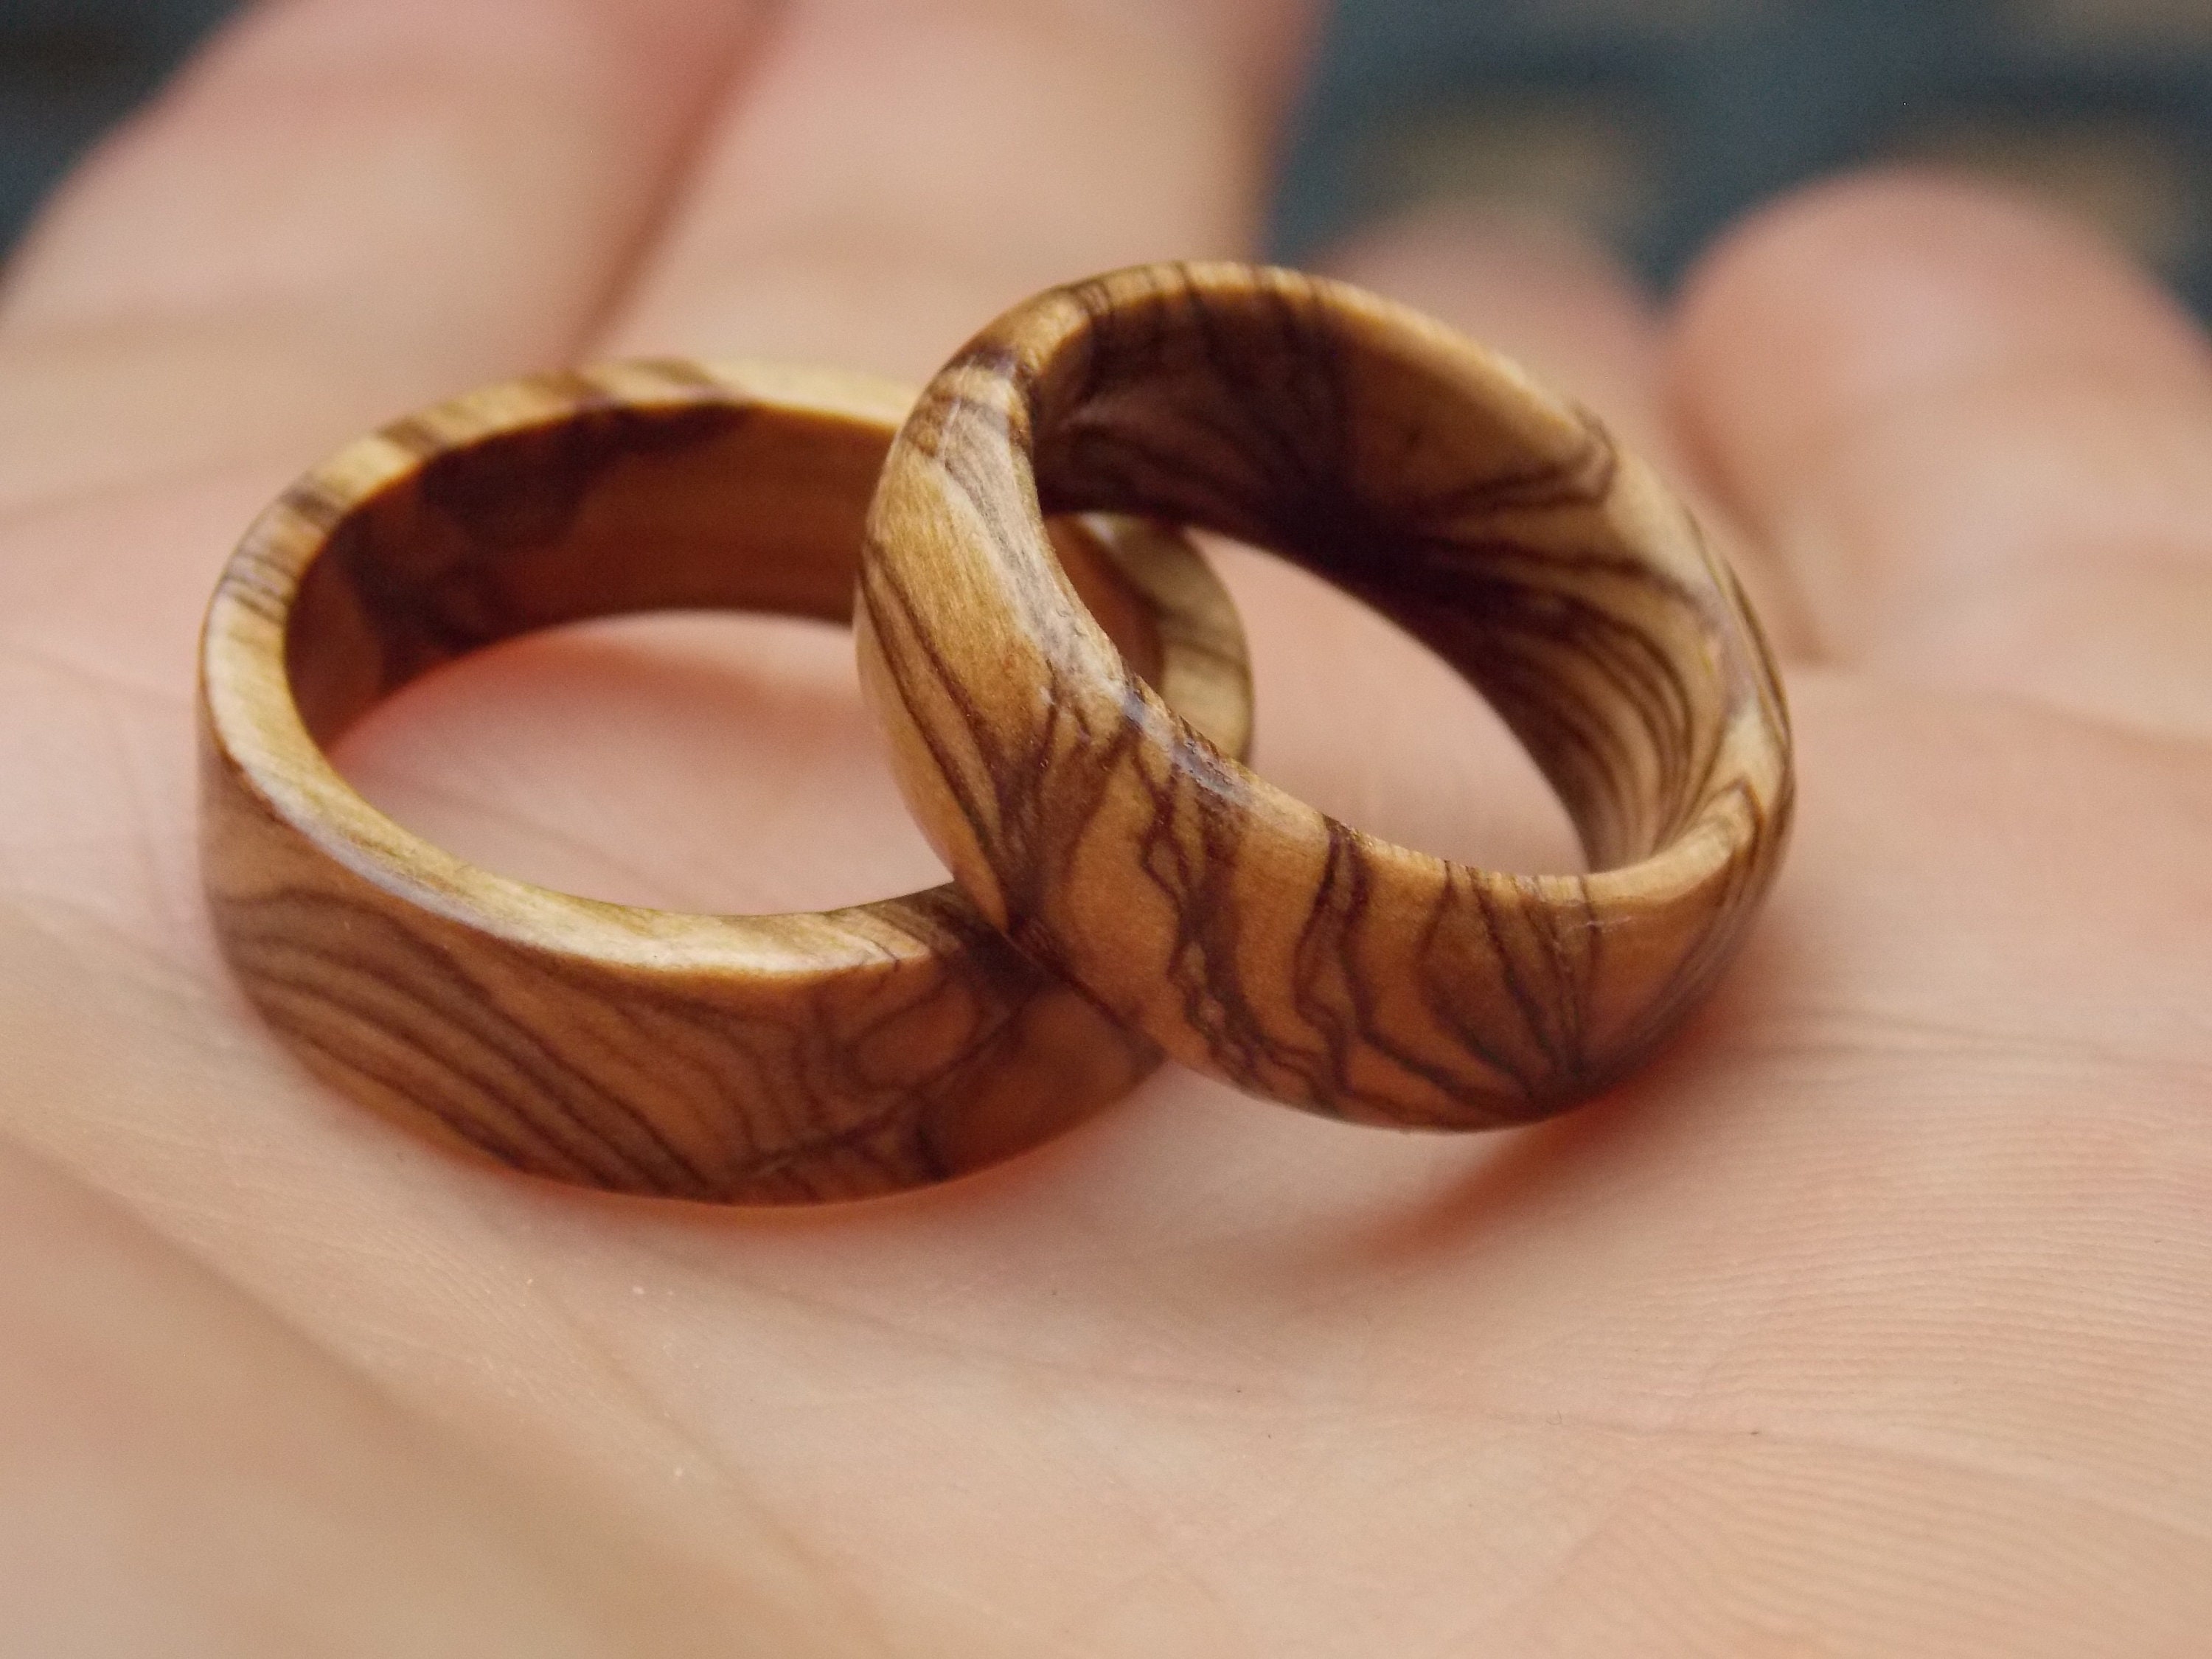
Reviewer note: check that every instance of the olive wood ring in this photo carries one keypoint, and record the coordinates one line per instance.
(762, 1059)
(1249, 934)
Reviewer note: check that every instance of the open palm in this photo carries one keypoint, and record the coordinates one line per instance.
(1869, 1320)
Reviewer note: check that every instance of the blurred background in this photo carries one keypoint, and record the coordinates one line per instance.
(1651, 121)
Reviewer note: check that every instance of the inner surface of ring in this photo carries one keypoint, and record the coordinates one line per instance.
(1424, 484)
(602, 511)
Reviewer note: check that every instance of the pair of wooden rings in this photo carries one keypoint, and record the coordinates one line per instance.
(1067, 705)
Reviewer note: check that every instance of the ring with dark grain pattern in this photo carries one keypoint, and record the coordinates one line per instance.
(756, 1059)
(1249, 935)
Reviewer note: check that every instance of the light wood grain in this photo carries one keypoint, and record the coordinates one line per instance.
(1251, 936)
(755, 1058)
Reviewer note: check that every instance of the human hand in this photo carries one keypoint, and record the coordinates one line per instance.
(1868, 1319)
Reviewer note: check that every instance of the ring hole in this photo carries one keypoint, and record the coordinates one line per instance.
(718, 761)
(1360, 719)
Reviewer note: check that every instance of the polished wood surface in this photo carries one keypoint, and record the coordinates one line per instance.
(756, 1058)
(1251, 936)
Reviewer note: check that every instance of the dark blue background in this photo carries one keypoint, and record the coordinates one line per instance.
(1653, 120)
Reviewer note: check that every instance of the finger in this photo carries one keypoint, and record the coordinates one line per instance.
(890, 178)
(1975, 435)
(344, 208)
(1549, 297)
(1536, 288)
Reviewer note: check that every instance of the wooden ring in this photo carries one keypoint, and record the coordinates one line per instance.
(759, 1058)
(1249, 935)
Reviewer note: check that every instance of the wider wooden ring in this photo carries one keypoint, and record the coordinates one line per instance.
(1249, 934)
(762, 1058)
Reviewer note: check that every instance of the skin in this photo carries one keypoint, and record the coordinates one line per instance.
(1869, 1320)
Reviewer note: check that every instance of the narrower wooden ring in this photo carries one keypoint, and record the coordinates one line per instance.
(758, 1058)
(1249, 935)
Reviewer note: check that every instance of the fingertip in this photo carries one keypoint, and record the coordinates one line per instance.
(1532, 287)
(1268, 43)
(1967, 427)
(1868, 290)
